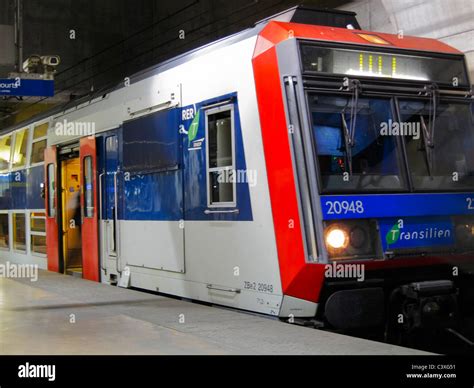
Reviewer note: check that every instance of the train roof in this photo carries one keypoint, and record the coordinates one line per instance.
(276, 31)
(273, 30)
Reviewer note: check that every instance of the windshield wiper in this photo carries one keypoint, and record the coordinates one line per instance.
(347, 143)
(433, 92)
(429, 130)
(349, 131)
(428, 146)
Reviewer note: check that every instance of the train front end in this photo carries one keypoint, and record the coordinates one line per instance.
(370, 164)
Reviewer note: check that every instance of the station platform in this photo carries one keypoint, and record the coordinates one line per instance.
(61, 314)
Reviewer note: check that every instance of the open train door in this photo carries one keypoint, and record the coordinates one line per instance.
(51, 207)
(89, 206)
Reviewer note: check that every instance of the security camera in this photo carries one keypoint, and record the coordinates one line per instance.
(51, 60)
(33, 65)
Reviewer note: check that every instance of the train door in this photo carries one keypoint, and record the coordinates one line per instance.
(51, 206)
(71, 215)
(70, 211)
(108, 179)
(89, 208)
(63, 219)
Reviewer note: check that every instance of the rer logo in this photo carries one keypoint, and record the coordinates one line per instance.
(193, 128)
(192, 114)
(416, 232)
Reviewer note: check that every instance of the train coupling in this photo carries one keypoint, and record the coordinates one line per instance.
(429, 304)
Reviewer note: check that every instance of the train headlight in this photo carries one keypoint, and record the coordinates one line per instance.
(337, 238)
(358, 237)
(351, 239)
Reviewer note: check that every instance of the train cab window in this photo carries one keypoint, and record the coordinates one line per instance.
(51, 190)
(39, 143)
(354, 154)
(5, 151)
(220, 156)
(439, 152)
(4, 232)
(19, 148)
(38, 233)
(19, 232)
(88, 189)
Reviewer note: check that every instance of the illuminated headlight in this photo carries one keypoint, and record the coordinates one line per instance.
(351, 239)
(337, 238)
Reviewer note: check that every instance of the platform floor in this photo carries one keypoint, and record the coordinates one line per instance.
(35, 318)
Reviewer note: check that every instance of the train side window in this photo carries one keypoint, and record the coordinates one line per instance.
(39, 143)
(38, 233)
(220, 156)
(19, 148)
(19, 232)
(88, 189)
(4, 231)
(5, 151)
(40, 131)
(51, 191)
(150, 144)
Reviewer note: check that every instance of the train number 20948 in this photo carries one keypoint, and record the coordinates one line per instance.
(345, 207)
(262, 287)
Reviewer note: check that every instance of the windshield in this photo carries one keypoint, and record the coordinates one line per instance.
(372, 161)
(447, 162)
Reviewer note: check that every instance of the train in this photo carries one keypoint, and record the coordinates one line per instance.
(304, 168)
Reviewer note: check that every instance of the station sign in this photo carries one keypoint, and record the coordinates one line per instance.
(26, 87)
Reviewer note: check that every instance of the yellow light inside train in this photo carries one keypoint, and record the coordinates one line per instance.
(394, 65)
(337, 238)
(371, 63)
(380, 65)
(5, 156)
(361, 62)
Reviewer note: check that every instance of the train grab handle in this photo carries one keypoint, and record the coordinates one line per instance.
(117, 227)
(207, 211)
(100, 218)
(216, 288)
